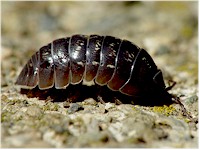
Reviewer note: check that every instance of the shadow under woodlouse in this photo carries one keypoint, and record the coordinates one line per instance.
(77, 93)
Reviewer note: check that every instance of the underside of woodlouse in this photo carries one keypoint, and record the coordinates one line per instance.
(105, 60)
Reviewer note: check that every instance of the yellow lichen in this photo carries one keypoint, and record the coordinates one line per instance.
(51, 107)
(166, 110)
(187, 120)
(133, 108)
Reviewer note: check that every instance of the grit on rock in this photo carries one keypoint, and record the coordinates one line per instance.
(167, 30)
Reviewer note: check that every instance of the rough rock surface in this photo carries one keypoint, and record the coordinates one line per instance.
(168, 30)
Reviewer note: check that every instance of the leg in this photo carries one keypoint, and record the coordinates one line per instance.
(171, 86)
(117, 101)
(184, 111)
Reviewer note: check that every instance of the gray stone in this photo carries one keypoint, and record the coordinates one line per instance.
(74, 107)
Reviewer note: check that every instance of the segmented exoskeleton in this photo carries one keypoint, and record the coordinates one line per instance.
(107, 60)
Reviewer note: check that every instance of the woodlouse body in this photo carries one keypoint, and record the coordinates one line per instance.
(119, 64)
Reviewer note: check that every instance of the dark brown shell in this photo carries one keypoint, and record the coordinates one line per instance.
(119, 64)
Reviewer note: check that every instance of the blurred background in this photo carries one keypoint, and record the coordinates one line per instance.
(167, 29)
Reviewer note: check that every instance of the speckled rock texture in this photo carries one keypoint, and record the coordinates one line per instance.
(167, 30)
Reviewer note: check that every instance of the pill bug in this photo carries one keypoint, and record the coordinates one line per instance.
(119, 64)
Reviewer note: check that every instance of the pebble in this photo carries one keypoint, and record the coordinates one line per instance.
(34, 111)
(90, 101)
(109, 105)
(192, 99)
(74, 107)
(18, 140)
